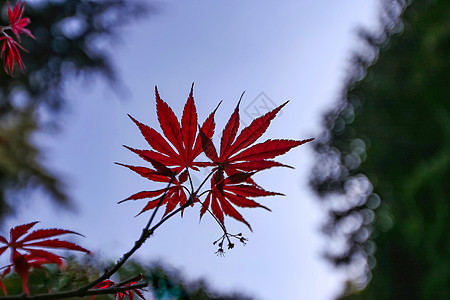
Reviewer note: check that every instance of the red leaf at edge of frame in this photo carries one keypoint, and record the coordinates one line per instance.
(35, 258)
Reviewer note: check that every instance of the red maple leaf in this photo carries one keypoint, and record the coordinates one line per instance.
(6, 271)
(175, 194)
(10, 54)
(17, 23)
(31, 244)
(240, 158)
(121, 295)
(237, 154)
(23, 264)
(179, 145)
(172, 152)
(233, 190)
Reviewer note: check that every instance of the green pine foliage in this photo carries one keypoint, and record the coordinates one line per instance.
(390, 134)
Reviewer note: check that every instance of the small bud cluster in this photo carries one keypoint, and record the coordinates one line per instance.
(228, 237)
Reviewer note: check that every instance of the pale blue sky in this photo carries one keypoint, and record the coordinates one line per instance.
(290, 50)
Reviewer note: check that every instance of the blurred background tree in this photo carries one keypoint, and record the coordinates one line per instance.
(164, 282)
(72, 39)
(383, 160)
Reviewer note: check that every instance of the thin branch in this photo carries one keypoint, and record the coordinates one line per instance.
(75, 293)
(87, 289)
(144, 235)
(171, 214)
(133, 279)
(190, 181)
(117, 289)
(215, 218)
(204, 181)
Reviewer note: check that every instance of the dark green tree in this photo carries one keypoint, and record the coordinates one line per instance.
(69, 35)
(383, 161)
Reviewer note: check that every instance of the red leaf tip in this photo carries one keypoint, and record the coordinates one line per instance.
(240, 98)
(157, 93)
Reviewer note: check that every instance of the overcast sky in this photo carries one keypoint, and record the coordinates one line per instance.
(274, 51)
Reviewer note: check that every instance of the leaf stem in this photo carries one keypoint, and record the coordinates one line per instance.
(204, 181)
(217, 220)
(144, 235)
(190, 180)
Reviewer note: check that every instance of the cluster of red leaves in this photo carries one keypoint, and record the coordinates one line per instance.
(121, 295)
(171, 157)
(239, 159)
(10, 53)
(27, 252)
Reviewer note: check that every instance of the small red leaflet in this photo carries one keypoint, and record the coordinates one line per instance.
(10, 49)
(175, 193)
(232, 190)
(16, 21)
(121, 295)
(27, 252)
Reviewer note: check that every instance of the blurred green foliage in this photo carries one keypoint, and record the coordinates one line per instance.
(386, 149)
(70, 41)
(164, 282)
